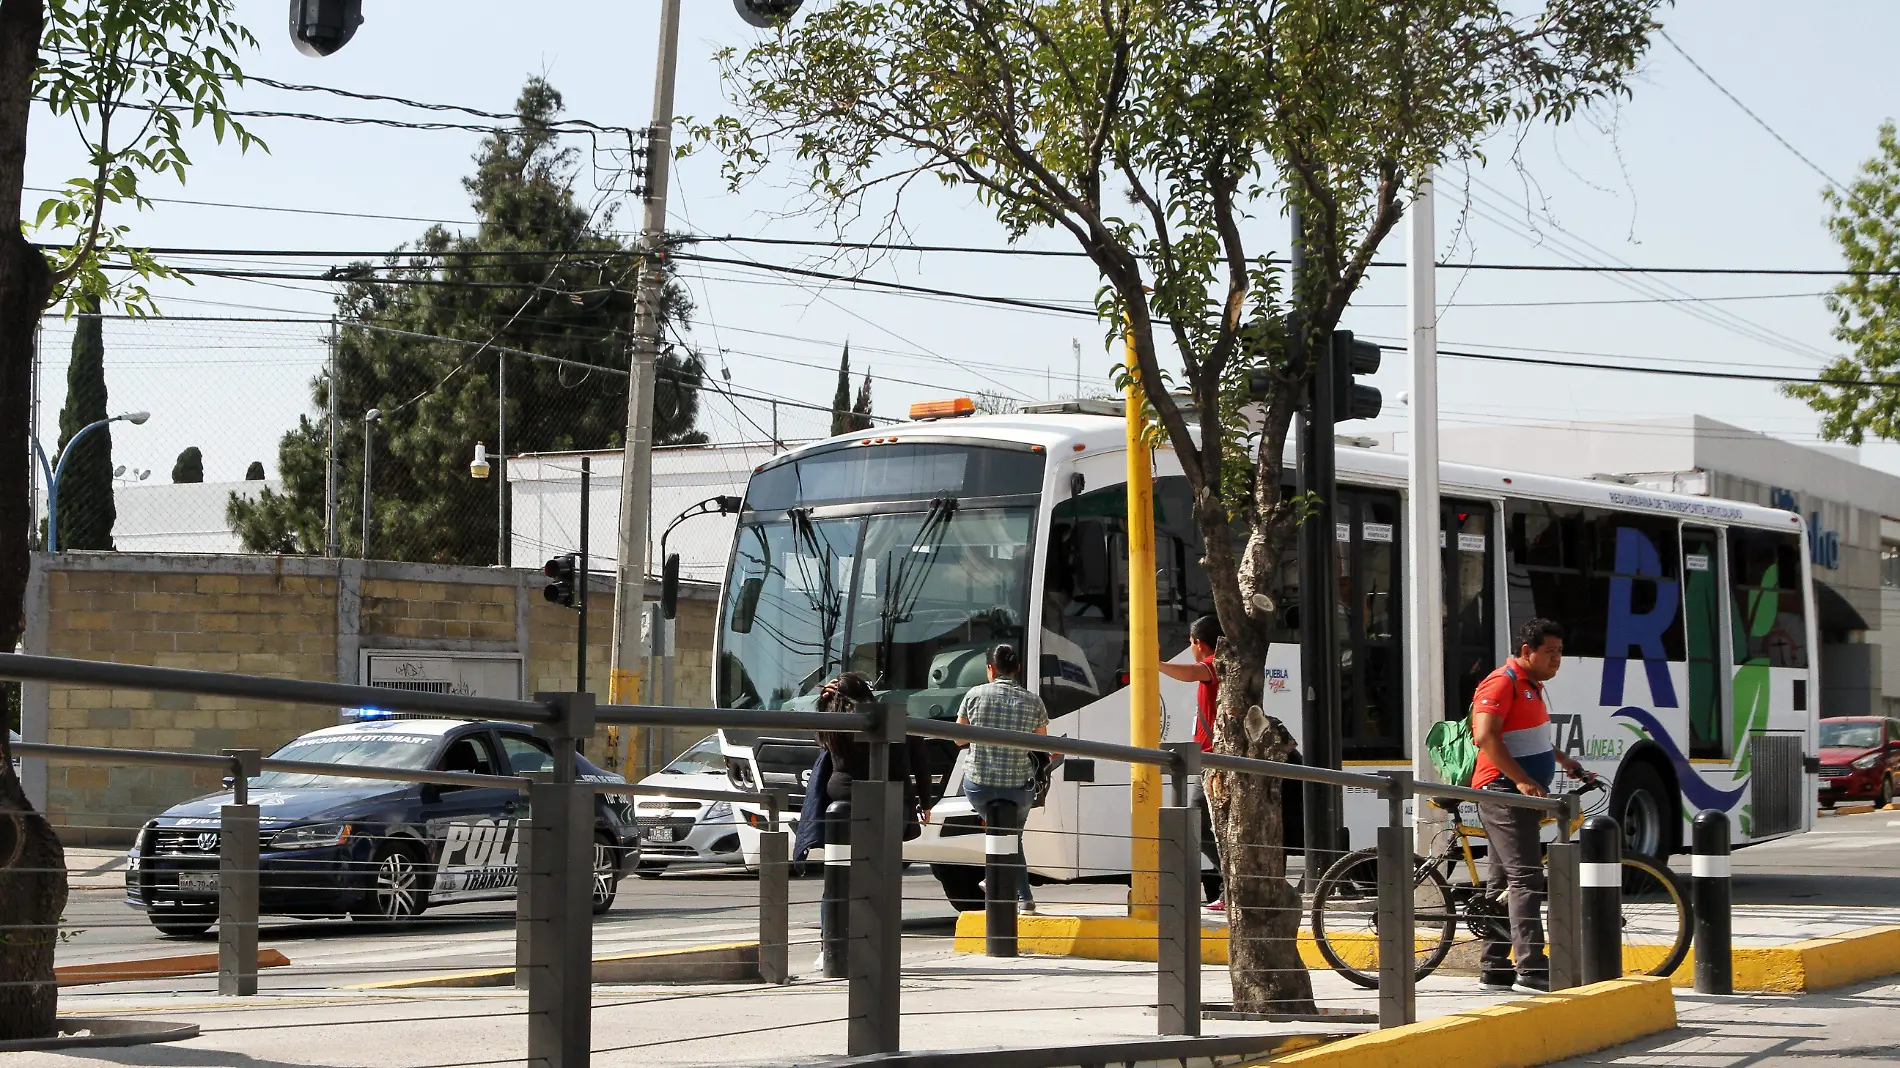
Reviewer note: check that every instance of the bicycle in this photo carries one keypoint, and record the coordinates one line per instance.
(1657, 921)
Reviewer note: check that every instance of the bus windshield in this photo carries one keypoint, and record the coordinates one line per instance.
(912, 600)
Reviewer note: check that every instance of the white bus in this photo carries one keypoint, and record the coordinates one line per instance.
(1689, 679)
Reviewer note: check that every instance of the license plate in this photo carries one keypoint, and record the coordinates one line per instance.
(659, 834)
(197, 882)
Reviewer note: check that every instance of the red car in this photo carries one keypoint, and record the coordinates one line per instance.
(1860, 759)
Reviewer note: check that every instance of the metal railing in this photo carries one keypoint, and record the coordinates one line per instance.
(555, 934)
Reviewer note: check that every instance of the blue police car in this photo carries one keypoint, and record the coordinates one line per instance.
(371, 848)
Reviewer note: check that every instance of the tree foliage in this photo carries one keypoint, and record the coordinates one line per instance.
(86, 509)
(1862, 394)
(440, 397)
(1156, 133)
(190, 466)
(849, 414)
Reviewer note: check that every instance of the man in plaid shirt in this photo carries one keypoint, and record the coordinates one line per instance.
(998, 773)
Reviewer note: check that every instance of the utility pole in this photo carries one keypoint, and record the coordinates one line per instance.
(331, 535)
(1144, 677)
(1425, 561)
(1319, 578)
(501, 462)
(636, 466)
(580, 579)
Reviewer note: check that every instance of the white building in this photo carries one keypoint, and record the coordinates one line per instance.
(181, 517)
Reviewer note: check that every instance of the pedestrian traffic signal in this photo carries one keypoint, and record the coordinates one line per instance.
(1352, 358)
(561, 569)
(320, 27)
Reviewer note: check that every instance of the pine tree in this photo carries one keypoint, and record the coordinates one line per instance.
(86, 511)
(861, 408)
(190, 466)
(439, 398)
(841, 419)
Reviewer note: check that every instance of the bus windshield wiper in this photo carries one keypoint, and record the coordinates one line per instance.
(904, 582)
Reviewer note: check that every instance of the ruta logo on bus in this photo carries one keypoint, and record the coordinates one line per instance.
(1633, 634)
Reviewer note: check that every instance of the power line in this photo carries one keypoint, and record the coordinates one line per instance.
(1680, 372)
(1746, 110)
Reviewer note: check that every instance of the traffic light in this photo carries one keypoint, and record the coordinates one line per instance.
(561, 570)
(1350, 359)
(320, 27)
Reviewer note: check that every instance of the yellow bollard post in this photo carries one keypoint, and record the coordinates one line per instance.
(1144, 676)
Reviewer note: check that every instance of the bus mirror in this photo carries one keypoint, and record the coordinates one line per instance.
(747, 606)
(670, 586)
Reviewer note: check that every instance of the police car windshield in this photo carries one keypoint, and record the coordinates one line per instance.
(412, 752)
(703, 758)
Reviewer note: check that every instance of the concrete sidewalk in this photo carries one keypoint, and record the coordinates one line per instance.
(1853, 1025)
(950, 1002)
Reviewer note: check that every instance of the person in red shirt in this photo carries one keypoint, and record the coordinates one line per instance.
(1510, 724)
(1203, 635)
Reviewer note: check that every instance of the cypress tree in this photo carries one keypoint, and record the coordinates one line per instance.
(841, 421)
(190, 466)
(86, 511)
(255, 472)
(861, 408)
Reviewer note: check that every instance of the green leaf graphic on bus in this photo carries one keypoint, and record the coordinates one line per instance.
(1752, 681)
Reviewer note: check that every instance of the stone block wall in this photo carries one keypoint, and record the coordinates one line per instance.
(287, 617)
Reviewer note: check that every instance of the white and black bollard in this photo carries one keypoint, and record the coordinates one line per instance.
(835, 908)
(1710, 896)
(1600, 876)
(1003, 865)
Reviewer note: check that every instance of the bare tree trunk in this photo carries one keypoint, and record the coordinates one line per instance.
(1263, 909)
(32, 864)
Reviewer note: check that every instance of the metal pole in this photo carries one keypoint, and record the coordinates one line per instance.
(237, 880)
(580, 580)
(1144, 677)
(1398, 942)
(1711, 900)
(1003, 863)
(59, 471)
(501, 461)
(33, 439)
(1319, 578)
(775, 906)
(876, 910)
(1178, 953)
(560, 940)
(369, 456)
(834, 905)
(1601, 876)
(1565, 902)
(636, 466)
(332, 536)
(1425, 556)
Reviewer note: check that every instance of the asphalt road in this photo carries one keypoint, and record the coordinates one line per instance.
(1848, 861)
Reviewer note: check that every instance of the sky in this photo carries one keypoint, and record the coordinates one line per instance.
(1678, 174)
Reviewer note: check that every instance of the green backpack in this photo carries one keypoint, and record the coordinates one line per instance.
(1453, 752)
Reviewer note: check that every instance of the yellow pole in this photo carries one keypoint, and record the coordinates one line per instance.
(1144, 676)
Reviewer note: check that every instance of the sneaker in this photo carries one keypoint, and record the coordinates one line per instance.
(1497, 981)
(1026, 908)
(1217, 905)
(1532, 983)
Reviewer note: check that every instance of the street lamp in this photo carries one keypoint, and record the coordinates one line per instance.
(53, 475)
(370, 419)
(670, 585)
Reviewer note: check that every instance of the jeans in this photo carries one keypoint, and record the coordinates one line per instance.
(1517, 866)
(1020, 796)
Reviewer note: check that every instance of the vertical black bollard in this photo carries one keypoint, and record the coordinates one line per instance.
(835, 908)
(1003, 856)
(1711, 899)
(1600, 875)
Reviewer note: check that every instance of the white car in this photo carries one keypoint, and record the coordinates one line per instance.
(687, 830)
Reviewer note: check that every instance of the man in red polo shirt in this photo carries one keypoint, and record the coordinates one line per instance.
(1510, 723)
(1203, 635)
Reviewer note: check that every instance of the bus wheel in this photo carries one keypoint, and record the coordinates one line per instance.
(962, 885)
(1639, 803)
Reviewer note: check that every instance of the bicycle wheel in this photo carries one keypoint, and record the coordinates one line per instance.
(1345, 917)
(1658, 922)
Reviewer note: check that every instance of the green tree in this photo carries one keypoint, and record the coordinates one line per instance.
(1862, 394)
(86, 510)
(129, 77)
(255, 472)
(190, 466)
(841, 397)
(439, 398)
(1153, 132)
(861, 408)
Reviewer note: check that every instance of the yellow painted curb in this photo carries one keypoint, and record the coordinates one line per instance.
(1518, 1034)
(1126, 938)
(1848, 810)
(729, 959)
(154, 968)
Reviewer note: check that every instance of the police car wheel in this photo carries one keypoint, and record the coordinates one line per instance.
(606, 874)
(399, 888)
(188, 926)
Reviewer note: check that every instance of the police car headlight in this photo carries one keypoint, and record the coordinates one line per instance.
(312, 836)
(1868, 761)
(718, 810)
